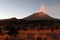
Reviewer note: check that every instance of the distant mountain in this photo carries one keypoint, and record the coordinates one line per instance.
(38, 16)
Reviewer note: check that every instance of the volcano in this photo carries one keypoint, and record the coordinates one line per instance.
(38, 16)
(41, 15)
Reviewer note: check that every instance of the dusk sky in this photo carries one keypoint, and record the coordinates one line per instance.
(24, 8)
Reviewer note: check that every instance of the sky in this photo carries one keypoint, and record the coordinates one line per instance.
(24, 8)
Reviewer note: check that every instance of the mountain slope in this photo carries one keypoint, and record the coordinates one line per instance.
(38, 16)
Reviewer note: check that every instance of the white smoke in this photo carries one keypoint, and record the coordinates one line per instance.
(42, 8)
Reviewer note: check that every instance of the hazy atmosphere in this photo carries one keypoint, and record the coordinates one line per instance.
(23, 8)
